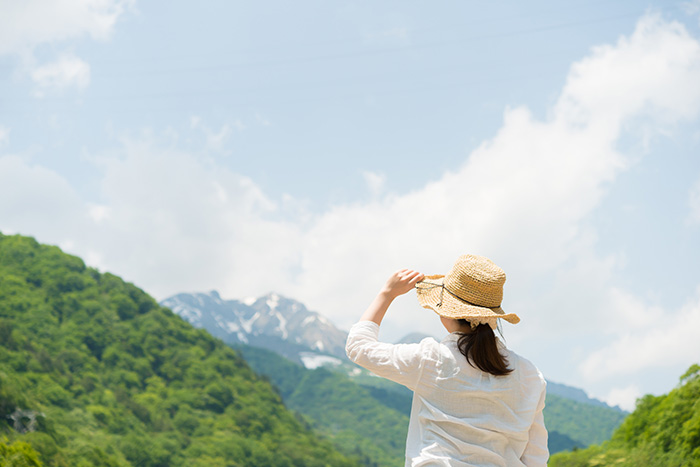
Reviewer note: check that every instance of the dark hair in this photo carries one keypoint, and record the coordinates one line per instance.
(481, 350)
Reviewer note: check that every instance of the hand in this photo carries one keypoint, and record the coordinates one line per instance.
(398, 284)
(402, 281)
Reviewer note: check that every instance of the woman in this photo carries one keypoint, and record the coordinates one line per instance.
(475, 402)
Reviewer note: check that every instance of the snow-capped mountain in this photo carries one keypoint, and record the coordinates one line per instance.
(271, 321)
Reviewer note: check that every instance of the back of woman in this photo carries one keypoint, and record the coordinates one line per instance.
(461, 415)
(483, 419)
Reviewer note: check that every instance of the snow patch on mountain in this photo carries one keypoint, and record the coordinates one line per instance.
(308, 320)
(283, 325)
(247, 325)
(190, 314)
(312, 360)
(272, 301)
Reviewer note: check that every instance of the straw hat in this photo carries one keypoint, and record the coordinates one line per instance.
(472, 290)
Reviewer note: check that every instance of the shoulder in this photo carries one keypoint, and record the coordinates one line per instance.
(530, 375)
(363, 337)
(429, 352)
(443, 357)
(364, 327)
(429, 348)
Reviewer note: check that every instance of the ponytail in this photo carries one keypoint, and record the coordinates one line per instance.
(481, 351)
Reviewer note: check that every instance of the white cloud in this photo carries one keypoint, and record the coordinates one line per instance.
(625, 397)
(694, 203)
(375, 182)
(189, 224)
(37, 199)
(67, 71)
(98, 212)
(646, 339)
(216, 140)
(262, 120)
(4, 135)
(691, 7)
(27, 23)
(653, 72)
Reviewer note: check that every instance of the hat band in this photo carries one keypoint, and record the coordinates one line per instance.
(432, 285)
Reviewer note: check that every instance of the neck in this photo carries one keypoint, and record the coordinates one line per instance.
(455, 325)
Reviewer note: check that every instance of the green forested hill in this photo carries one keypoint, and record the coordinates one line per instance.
(662, 431)
(576, 424)
(94, 373)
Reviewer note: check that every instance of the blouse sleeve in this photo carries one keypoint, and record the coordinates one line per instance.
(401, 363)
(536, 452)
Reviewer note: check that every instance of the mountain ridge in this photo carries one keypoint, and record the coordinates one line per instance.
(260, 321)
(578, 395)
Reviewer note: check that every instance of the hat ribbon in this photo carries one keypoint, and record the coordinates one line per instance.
(432, 285)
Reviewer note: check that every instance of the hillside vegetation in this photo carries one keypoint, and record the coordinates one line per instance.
(93, 372)
(573, 424)
(662, 431)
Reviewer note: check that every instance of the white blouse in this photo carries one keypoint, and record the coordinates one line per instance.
(461, 416)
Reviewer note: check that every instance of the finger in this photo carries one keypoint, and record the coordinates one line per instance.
(409, 274)
(415, 277)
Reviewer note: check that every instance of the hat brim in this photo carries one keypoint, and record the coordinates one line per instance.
(432, 296)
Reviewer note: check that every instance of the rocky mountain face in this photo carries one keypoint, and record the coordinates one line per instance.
(271, 321)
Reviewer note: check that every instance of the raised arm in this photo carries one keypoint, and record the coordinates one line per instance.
(398, 283)
(398, 362)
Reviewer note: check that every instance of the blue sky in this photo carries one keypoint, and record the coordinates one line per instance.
(312, 148)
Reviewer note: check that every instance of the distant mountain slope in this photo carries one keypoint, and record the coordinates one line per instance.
(584, 424)
(576, 394)
(662, 431)
(93, 373)
(271, 321)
